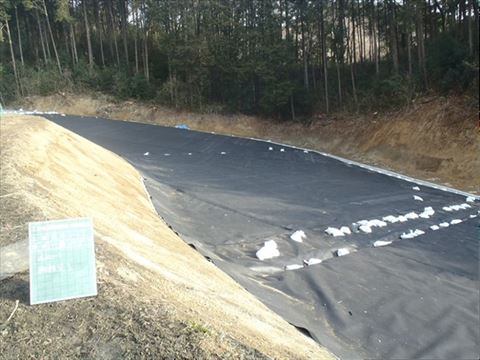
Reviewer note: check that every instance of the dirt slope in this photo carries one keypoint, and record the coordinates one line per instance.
(157, 296)
(435, 139)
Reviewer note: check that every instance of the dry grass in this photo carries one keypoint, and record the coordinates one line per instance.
(147, 275)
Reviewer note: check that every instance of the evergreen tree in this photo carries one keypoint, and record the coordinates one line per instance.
(282, 58)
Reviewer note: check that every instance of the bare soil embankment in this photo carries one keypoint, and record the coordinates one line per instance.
(158, 298)
(435, 139)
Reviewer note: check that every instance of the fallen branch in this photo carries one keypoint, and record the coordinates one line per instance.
(11, 315)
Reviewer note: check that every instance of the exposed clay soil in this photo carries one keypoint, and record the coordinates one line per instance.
(158, 298)
(435, 139)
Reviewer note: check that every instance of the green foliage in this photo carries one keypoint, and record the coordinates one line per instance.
(246, 56)
(7, 85)
(140, 88)
(125, 86)
(276, 97)
(278, 76)
(174, 92)
(199, 328)
(62, 12)
(43, 80)
(105, 79)
(393, 91)
(447, 65)
(83, 76)
(113, 81)
(46, 80)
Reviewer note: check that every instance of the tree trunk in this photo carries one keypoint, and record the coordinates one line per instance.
(292, 108)
(393, 37)
(470, 22)
(114, 32)
(41, 38)
(99, 25)
(67, 42)
(135, 48)
(74, 44)
(351, 57)
(110, 37)
(370, 37)
(296, 36)
(170, 78)
(421, 43)
(124, 14)
(87, 33)
(32, 40)
(304, 51)
(339, 44)
(359, 30)
(146, 67)
(362, 33)
(287, 20)
(409, 53)
(19, 37)
(476, 25)
(376, 41)
(354, 86)
(47, 43)
(324, 56)
(313, 74)
(14, 65)
(339, 81)
(52, 38)
(135, 41)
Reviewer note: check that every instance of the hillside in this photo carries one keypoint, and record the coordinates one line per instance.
(156, 294)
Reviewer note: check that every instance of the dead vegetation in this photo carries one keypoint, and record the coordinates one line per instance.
(435, 139)
(158, 298)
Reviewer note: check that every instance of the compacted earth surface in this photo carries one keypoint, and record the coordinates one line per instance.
(157, 297)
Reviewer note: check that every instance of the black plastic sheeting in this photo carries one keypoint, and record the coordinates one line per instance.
(416, 298)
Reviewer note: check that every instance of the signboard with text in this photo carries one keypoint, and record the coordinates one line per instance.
(62, 260)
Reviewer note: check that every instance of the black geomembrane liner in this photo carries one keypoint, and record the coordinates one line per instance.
(416, 298)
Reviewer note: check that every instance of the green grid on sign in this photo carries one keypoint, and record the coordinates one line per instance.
(62, 260)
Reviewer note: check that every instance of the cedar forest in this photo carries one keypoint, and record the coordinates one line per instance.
(280, 58)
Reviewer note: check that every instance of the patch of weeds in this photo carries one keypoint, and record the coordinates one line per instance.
(199, 328)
